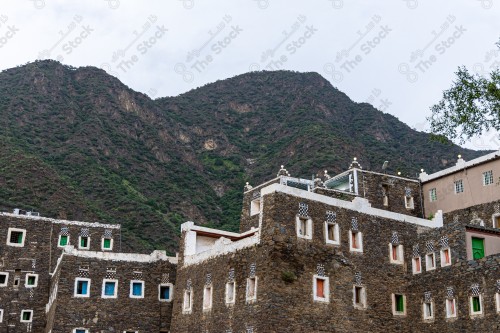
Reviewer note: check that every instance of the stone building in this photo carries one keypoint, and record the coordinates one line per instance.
(356, 252)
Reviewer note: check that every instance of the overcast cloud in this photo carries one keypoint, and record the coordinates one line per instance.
(398, 55)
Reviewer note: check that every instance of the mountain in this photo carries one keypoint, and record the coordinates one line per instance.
(76, 143)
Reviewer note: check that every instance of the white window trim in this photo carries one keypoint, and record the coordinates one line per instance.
(309, 227)
(233, 301)
(131, 295)
(251, 299)
(413, 266)
(409, 203)
(18, 230)
(497, 299)
(80, 243)
(171, 294)
(427, 267)
(26, 280)
(362, 305)
(424, 311)
(400, 254)
(326, 285)
(207, 307)
(441, 257)
(6, 279)
(129, 331)
(59, 241)
(26, 321)
(80, 328)
(115, 295)
(1, 315)
(190, 308)
(448, 315)
(102, 244)
(484, 178)
(481, 305)
(493, 222)
(397, 313)
(336, 233)
(76, 289)
(359, 234)
(455, 183)
(255, 205)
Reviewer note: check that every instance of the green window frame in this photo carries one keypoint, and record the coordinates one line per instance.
(477, 248)
(400, 303)
(476, 304)
(63, 240)
(106, 243)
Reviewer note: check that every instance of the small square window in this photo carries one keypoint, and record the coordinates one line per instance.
(230, 292)
(416, 265)
(165, 291)
(304, 227)
(428, 310)
(459, 186)
(332, 235)
(107, 244)
(488, 178)
(433, 194)
(355, 241)
(207, 297)
(321, 289)
(476, 305)
(109, 288)
(63, 241)
(1, 315)
(16, 237)
(82, 287)
(136, 289)
(80, 330)
(451, 308)
(255, 207)
(26, 316)
(187, 304)
(4, 279)
(396, 254)
(445, 257)
(31, 280)
(398, 304)
(84, 242)
(359, 297)
(251, 289)
(430, 261)
(409, 203)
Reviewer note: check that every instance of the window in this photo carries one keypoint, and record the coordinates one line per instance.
(488, 178)
(396, 255)
(409, 203)
(251, 289)
(255, 207)
(84, 242)
(476, 305)
(428, 309)
(451, 308)
(385, 200)
(398, 304)
(416, 265)
(321, 289)
(136, 289)
(207, 297)
(63, 241)
(165, 291)
(4, 279)
(26, 316)
(15, 237)
(107, 244)
(1, 315)
(109, 288)
(459, 186)
(430, 261)
(82, 287)
(355, 241)
(188, 301)
(304, 227)
(496, 220)
(80, 330)
(477, 248)
(433, 195)
(332, 233)
(497, 301)
(445, 257)
(31, 280)
(230, 292)
(359, 297)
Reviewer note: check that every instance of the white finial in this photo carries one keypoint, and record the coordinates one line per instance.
(326, 171)
(355, 159)
(282, 166)
(421, 170)
(459, 156)
(399, 173)
(247, 183)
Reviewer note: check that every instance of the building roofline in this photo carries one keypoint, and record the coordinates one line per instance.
(459, 166)
(57, 221)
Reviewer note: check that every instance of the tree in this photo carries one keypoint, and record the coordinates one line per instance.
(469, 108)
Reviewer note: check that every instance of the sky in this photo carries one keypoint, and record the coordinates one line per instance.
(398, 55)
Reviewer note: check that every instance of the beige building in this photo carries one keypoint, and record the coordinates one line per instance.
(466, 184)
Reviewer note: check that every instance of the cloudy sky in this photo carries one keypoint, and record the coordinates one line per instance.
(398, 55)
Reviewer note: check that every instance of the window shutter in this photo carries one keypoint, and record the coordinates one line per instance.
(477, 248)
(320, 288)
